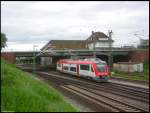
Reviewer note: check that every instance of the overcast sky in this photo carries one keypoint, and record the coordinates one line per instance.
(26, 23)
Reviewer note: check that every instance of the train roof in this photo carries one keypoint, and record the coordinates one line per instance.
(83, 61)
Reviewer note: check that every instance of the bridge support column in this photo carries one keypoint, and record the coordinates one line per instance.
(46, 61)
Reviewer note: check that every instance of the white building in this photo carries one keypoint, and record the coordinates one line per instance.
(144, 43)
(100, 39)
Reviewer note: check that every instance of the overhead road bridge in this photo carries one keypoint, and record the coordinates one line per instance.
(119, 54)
(86, 52)
(25, 53)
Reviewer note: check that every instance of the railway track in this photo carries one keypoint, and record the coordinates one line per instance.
(132, 88)
(102, 94)
(111, 103)
(143, 90)
(135, 92)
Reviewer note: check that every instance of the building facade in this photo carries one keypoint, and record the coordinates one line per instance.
(9, 56)
(144, 43)
(99, 40)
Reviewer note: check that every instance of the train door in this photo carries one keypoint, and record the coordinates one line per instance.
(91, 71)
(84, 69)
(62, 67)
(77, 69)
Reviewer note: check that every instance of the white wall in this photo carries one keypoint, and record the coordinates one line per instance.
(46, 61)
(90, 46)
(103, 39)
(128, 67)
(98, 44)
(102, 44)
(138, 67)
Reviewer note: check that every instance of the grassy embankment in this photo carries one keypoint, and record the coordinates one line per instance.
(144, 76)
(22, 92)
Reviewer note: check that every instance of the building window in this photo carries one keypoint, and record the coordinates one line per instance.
(85, 67)
(65, 67)
(73, 69)
(101, 67)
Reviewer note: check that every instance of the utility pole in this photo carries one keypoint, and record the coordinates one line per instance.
(110, 49)
(93, 38)
(34, 60)
(70, 52)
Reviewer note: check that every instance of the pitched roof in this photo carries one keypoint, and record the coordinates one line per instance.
(67, 41)
(74, 43)
(97, 35)
(64, 42)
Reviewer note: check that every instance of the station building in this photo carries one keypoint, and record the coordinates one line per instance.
(99, 39)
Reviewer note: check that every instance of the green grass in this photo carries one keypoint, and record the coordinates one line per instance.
(144, 76)
(21, 92)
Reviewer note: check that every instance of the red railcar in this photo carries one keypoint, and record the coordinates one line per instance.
(95, 69)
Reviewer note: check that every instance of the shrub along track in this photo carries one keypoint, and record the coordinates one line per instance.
(100, 96)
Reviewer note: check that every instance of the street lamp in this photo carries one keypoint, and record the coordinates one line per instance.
(34, 59)
(70, 52)
(94, 42)
(110, 50)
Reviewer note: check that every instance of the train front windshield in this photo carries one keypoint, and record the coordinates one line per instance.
(101, 67)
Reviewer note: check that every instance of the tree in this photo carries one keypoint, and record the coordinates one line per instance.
(3, 40)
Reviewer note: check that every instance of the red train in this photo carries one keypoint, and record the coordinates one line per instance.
(95, 69)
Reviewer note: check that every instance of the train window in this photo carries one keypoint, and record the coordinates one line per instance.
(73, 69)
(85, 67)
(65, 67)
(101, 67)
